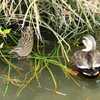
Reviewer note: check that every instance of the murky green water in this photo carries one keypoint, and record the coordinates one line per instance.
(89, 89)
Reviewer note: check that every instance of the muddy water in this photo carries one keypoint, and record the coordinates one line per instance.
(79, 89)
(85, 89)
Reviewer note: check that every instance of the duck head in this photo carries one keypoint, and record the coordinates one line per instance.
(89, 43)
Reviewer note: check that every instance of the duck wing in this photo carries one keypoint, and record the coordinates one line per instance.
(79, 60)
(96, 59)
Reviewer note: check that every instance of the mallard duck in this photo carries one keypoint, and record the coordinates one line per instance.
(87, 60)
(25, 44)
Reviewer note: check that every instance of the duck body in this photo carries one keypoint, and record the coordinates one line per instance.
(25, 44)
(87, 61)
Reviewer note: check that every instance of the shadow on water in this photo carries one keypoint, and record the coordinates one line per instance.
(89, 88)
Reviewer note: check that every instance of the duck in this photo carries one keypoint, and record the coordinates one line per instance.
(25, 44)
(87, 60)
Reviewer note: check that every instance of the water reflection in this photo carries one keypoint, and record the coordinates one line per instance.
(89, 88)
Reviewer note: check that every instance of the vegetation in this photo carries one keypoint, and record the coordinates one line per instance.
(59, 24)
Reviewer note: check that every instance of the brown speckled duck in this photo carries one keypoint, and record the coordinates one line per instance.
(25, 44)
(87, 60)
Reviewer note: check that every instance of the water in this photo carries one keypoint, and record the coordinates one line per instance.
(88, 89)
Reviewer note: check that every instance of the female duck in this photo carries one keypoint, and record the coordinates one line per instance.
(25, 44)
(87, 60)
